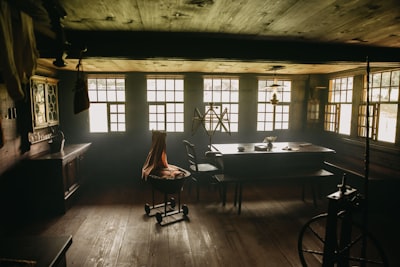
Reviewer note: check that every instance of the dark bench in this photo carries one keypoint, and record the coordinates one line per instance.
(307, 176)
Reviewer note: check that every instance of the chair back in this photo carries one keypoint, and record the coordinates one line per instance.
(191, 155)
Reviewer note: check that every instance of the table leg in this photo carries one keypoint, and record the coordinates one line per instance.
(240, 197)
(224, 194)
(235, 196)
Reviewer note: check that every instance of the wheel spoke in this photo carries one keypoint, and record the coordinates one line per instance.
(317, 235)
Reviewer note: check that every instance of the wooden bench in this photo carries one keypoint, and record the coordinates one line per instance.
(308, 176)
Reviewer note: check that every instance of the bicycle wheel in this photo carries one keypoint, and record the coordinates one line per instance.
(312, 240)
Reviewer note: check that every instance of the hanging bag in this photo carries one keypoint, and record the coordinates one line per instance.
(81, 96)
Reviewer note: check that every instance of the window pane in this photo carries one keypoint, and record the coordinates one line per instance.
(376, 80)
(121, 127)
(151, 96)
(170, 117)
(345, 119)
(160, 96)
(114, 127)
(179, 84)
(179, 127)
(385, 79)
(151, 84)
(121, 96)
(387, 122)
(394, 94)
(160, 83)
(92, 96)
(121, 117)
(121, 109)
(179, 117)
(225, 96)
(113, 118)
(179, 96)
(152, 117)
(216, 96)
(169, 84)
(169, 96)
(98, 118)
(152, 126)
(179, 108)
(395, 78)
(102, 96)
(113, 108)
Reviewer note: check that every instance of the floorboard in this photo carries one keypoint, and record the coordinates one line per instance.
(110, 228)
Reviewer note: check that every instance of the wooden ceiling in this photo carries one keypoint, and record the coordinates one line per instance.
(244, 36)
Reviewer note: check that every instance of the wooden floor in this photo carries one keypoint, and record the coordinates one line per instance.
(110, 228)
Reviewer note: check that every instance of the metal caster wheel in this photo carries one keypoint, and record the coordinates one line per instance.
(172, 202)
(185, 209)
(159, 217)
(147, 209)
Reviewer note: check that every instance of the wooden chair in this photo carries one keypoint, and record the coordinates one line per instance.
(202, 172)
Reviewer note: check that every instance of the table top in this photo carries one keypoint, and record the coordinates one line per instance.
(69, 151)
(45, 251)
(277, 148)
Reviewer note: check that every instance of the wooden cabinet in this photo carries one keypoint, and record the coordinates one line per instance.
(55, 178)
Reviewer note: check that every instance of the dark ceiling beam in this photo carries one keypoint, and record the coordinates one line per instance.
(201, 46)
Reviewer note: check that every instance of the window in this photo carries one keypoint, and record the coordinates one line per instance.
(383, 108)
(273, 117)
(107, 104)
(165, 98)
(338, 109)
(223, 93)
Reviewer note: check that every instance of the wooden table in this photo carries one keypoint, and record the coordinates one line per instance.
(44, 251)
(285, 160)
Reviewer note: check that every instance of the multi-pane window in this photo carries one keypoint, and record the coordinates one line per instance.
(338, 109)
(273, 116)
(383, 108)
(107, 103)
(165, 99)
(223, 93)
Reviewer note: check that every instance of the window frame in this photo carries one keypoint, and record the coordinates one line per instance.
(166, 105)
(340, 95)
(231, 95)
(110, 96)
(269, 115)
(376, 105)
